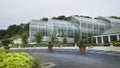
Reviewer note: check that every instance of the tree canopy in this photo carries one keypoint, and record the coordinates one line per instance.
(38, 37)
(115, 17)
(13, 30)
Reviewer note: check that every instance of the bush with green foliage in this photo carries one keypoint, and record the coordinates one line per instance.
(5, 42)
(24, 38)
(14, 45)
(38, 37)
(117, 43)
(15, 60)
(106, 44)
(65, 39)
(77, 37)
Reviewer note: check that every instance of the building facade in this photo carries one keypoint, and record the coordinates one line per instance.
(67, 28)
(109, 36)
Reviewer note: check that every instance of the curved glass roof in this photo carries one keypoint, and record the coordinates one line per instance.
(92, 21)
(113, 30)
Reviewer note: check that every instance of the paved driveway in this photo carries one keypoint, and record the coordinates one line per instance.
(72, 58)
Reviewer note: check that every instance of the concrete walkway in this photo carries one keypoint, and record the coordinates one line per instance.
(111, 48)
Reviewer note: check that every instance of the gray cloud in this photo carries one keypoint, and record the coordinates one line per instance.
(22, 11)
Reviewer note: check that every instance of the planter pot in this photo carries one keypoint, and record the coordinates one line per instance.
(50, 48)
(7, 48)
(82, 49)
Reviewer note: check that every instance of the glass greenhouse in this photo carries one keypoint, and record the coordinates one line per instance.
(66, 28)
(62, 28)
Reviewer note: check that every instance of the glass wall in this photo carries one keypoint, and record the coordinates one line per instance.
(62, 28)
(113, 38)
(105, 39)
(66, 28)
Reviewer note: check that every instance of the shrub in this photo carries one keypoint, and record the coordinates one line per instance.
(15, 60)
(117, 43)
(5, 42)
(14, 45)
(106, 44)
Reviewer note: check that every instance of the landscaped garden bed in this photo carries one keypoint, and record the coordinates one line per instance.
(16, 60)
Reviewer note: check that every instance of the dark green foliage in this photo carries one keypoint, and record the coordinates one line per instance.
(24, 38)
(115, 17)
(86, 17)
(53, 38)
(76, 36)
(90, 37)
(45, 19)
(59, 17)
(13, 30)
(5, 42)
(106, 44)
(83, 43)
(25, 28)
(3, 34)
(65, 39)
(38, 37)
(63, 18)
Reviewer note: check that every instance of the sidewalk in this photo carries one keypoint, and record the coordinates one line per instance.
(88, 48)
(105, 48)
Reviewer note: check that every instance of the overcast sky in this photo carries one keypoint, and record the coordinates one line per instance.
(22, 11)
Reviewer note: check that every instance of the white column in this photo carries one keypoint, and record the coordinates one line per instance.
(96, 40)
(118, 37)
(102, 40)
(109, 38)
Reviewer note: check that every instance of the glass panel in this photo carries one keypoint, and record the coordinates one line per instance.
(70, 33)
(113, 38)
(99, 40)
(105, 39)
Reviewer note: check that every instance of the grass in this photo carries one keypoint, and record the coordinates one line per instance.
(1, 44)
(15, 37)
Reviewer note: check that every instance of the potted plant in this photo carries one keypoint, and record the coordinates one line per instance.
(52, 40)
(5, 43)
(82, 46)
(50, 47)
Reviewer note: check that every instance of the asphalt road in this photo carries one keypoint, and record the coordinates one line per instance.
(72, 58)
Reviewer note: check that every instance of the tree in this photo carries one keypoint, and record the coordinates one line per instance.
(5, 42)
(38, 37)
(24, 38)
(86, 17)
(64, 39)
(115, 17)
(53, 37)
(76, 36)
(45, 19)
(3, 34)
(90, 38)
(13, 30)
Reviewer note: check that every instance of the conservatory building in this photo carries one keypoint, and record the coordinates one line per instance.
(61, 28)
(113, 34)
(66, 28)
(109, 36)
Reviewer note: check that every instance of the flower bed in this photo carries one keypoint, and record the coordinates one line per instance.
(15, 60)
